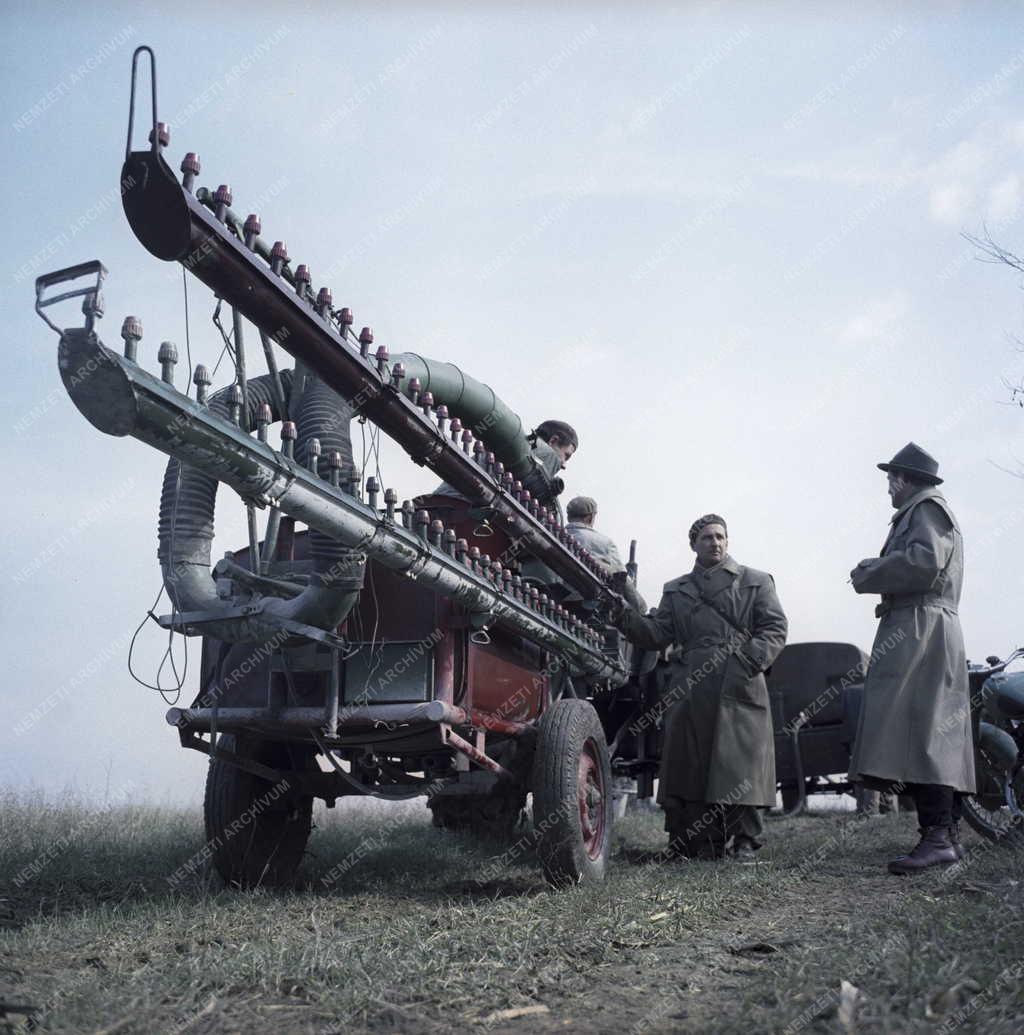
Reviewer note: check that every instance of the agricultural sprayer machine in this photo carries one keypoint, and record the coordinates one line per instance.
(447, 646)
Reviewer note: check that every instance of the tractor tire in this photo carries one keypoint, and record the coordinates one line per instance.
(490, 817)
(257, 831)
(572, 799)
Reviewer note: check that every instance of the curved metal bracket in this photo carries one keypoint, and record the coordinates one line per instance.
(92, 307)
(154, 138)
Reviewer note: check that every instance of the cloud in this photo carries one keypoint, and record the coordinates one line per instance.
(1004, 199)
(881, 319)
(949, 203)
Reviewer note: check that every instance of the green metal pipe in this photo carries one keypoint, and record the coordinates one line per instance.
(475, 404)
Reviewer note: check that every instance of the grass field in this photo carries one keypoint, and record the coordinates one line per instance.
(106, 926)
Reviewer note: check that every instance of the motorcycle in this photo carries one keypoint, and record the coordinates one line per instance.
(997, 722)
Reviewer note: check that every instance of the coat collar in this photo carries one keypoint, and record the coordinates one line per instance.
(689, 580)
(726, 564)
(928, 493)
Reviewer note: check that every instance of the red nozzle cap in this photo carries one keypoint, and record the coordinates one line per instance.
(163, 134)
(398, 370)
(264, 415)
(427, 399)
(324, 297)
(414, 384)
(279, 251)
(345, 317)
(302, 274)
(190, 163)
(442, 411)
(288, 431)
(222, 195)
(382, 353)
(366, 336)
(252, 224)
(456, 425)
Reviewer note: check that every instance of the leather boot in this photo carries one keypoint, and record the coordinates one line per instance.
(954, 840)
(934, 849)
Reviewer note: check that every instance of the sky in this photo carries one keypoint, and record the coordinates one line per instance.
(725, 241)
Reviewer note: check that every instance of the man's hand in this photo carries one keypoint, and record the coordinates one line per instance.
(861, 570)
(617, 581)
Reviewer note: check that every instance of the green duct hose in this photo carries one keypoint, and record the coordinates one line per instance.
(476, 405)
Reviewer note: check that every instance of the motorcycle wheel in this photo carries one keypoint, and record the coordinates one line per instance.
(986, 811)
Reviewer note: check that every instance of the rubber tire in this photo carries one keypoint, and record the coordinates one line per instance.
(790, 796)
(976, 815)
(568, 729)
(487, 816)
(266, 850)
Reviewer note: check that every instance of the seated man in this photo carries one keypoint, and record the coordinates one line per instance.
(581, 512)
(552, 443)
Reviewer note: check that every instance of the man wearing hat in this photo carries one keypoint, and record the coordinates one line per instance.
(718, 757)
(915, 723)
(581, 513)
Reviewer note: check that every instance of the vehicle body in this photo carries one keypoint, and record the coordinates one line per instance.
(997, 721)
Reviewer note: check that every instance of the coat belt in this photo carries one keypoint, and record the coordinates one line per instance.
(903, 603)
(702, 642)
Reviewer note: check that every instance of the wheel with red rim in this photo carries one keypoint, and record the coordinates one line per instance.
(572, 801)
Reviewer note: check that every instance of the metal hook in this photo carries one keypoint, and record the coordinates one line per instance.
(483, 530)
(480, 636)
(155, 146)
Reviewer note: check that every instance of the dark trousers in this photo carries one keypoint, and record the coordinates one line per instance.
(705, 829)
(937, 805)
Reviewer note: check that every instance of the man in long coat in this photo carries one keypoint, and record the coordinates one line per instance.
(915, 721)
(718, 757)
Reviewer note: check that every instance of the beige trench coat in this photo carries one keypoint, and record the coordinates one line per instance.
(915, 723)
(718, 744)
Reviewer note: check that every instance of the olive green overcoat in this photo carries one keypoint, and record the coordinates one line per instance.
(915, 724)
(718, 744)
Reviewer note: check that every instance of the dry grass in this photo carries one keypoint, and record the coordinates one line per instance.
(411, 940)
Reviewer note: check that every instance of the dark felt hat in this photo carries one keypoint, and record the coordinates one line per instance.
(912, 459)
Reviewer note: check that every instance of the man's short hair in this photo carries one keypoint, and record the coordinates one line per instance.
(581, 506)
(549, 429)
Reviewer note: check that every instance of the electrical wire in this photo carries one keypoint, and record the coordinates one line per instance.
(227, 340)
